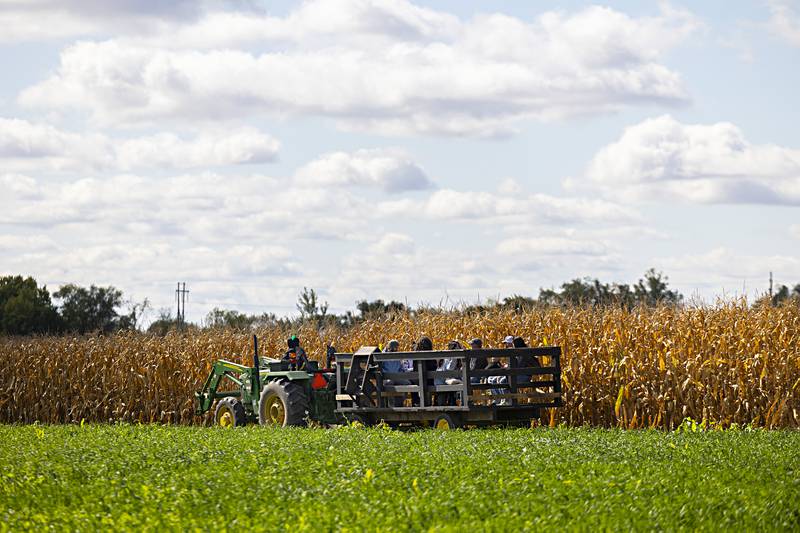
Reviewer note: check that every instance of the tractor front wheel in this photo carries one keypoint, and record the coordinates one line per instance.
(229, 413)
(282, 403)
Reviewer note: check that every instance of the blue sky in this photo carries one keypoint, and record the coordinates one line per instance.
(425, 152)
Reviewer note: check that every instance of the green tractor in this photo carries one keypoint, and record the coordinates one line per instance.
(353, 387)
(272, 392)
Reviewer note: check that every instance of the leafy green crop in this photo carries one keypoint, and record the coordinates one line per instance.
(157, 477)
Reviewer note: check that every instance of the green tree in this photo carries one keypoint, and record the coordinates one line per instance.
(164, 323)
(653, 290)
(26, 308)
(309, 307)
(781, 295)
(518, 303)
(87, 310)
(377, 308)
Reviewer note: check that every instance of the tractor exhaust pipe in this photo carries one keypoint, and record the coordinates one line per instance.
(256, 369)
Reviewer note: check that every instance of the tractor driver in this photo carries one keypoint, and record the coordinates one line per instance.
(295, 355)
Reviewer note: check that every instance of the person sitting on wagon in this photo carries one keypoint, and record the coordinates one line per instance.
(508, 342)
(448, 363)
(525, 361)
(393, 367)
(477, 363)
(295, 355)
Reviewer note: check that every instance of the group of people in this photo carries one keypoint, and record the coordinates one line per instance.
(454, 364)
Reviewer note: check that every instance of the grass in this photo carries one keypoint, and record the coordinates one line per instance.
(158, 477)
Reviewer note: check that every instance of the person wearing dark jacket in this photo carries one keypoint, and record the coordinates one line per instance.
(393, 367)
(525, 361)
(477, 363)
(425, 344)
(295, 355)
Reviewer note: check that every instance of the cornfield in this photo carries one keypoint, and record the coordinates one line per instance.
(641, 368)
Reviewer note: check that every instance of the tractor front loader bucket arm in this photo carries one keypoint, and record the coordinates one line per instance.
(205, 397)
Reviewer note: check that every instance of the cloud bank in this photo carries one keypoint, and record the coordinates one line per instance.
(388, 67)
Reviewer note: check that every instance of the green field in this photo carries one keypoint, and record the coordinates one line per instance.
(156, 477)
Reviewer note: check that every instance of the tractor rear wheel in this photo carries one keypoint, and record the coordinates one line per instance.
(229, 413)
(283, 403)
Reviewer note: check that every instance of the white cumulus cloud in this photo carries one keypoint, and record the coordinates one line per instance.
(29, 146)
(663, 159)
(390, 170)
(785, 20)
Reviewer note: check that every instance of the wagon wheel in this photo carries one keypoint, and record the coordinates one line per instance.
(229, 413)
(283, 403)
(446, 422)
(358, 419)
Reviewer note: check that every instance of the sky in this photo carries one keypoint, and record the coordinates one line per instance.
(438, 152)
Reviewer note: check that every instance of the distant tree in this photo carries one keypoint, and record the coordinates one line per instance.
(223, 318)
(89, 310)
(163, 324)
(781, 295)
(26, 308)
(309, 307)
(377, 308)
(653, 290)
(133, 318)
(518, 303)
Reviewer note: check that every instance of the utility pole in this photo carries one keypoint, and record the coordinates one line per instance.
(180, 298)
(770, 286)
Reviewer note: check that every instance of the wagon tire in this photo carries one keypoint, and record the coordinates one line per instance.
(229, 413)
(358, 419)
(283, 403)
(446, 422)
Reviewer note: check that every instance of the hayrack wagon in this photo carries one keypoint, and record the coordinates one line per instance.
(352, 387)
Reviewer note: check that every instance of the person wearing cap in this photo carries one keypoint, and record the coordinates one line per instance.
(477, 363)
(295, 355)
(393, 367)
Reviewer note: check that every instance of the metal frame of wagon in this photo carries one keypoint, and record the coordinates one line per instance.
(531, 388)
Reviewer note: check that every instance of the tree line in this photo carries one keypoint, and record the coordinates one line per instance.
(27, 308)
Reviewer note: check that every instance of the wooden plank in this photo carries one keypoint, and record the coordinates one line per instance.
(423, 385)
(344, 398)
(519, 396)
(410, 376)
(524, 384)
(443, 374)
(458, 387)
(531, 370)
(401, 388)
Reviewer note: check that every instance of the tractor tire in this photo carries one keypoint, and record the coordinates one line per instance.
(229, 413)
(446, 422)
(282, 404)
